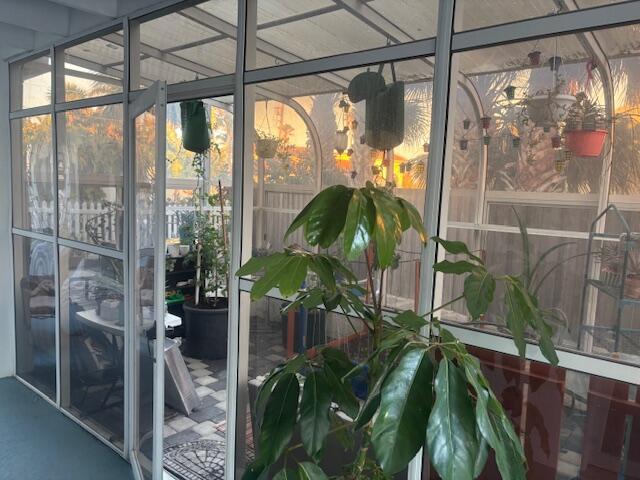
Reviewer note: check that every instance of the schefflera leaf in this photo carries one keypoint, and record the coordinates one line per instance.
(451, 431)
(314, 413)
(324, 216)
(405, 402)
(359, 225)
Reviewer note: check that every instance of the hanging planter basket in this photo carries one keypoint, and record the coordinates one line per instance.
(485, 122)
(510, 92)
(195, 128)
(266, 147)
(585, 143)
(548, 110)
(464, 144)
(534, 58)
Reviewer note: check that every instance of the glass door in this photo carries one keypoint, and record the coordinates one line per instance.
(147, 117)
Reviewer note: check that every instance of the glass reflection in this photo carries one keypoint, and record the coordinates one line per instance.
(35, 313)
(92, 340)
(33, 174)
(90, 175)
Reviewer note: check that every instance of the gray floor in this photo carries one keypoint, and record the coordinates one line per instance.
(37, 442)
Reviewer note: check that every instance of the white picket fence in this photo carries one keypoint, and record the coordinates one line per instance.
(105, 222)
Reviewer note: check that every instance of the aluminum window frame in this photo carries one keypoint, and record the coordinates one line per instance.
(443, 46)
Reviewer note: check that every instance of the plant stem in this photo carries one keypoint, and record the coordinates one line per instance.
(460, 297)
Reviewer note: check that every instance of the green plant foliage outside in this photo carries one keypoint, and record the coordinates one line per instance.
(424, 388)
(207, 234)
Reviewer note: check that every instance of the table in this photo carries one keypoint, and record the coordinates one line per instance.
(180, 391)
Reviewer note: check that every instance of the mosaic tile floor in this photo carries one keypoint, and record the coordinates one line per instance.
(194, 444)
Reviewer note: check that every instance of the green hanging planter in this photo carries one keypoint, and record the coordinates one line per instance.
(384, 126)
(195, 128)
(365, 85)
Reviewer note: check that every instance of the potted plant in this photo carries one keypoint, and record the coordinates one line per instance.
(418, 376)
(266, 144)
(547, 108)
(206, 316)
(585, 129)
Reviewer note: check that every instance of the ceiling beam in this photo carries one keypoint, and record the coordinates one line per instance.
(206, 19)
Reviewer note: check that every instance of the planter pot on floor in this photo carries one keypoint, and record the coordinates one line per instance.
(205, 331)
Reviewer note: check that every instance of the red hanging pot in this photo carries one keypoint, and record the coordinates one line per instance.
(585, 143)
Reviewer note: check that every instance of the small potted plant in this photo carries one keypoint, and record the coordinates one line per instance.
(206, 316)
(585, 130)
(266, 144)
(612, 272)
(546, 108)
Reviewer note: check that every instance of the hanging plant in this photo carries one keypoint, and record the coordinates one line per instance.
(585, 129)
(464, 144)
(342, 141)
(466, 123)
(485, 122)
(195, 127)
(555, 63)
(266, 144)
(510, 92)
(486, 140)
(515, 141)
(556, 141)
(534, 58)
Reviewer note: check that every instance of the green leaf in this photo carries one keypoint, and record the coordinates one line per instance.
(526, 254)
(274, 273)
(483, 455)
(295, 275)
(342, 392)
(286, 474)
(314, 413)
(388, 227)
(321, 266)
(266, 388)
(310, 471)
(451, 435)
(256, 470)
(399, 429)
(457, 268)
(456, 248)
(255, 264)
(338, 360)
(479, 288)
(410, 319)
(516, 316)
(324, 216)
(359, 225)
(279, 418)
(415, 219)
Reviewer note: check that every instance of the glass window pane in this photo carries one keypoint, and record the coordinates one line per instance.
(293, 30)
(187, 45)
(33, 174)
(572, 425)
(539, 134)
(471, 14)
(35, 309)
(90, 175)
(92, 341)
(31, 83)
(94, 68)
(308, 135)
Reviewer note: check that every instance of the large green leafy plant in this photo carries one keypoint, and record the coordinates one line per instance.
(424, 388)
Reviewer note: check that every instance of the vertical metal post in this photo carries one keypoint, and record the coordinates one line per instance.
(57, 91)
(233, 400)
(126, 244)
(435, 168)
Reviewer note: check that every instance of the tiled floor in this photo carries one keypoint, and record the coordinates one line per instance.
(205, 427)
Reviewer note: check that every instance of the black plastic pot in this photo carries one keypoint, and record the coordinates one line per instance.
(205, 331)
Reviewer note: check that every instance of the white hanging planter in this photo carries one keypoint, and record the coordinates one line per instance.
(548, 110)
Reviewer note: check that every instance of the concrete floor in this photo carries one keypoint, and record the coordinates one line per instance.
(37, 442)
